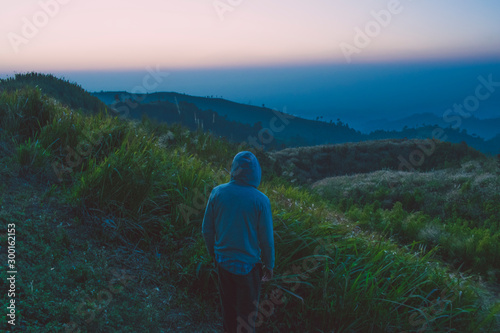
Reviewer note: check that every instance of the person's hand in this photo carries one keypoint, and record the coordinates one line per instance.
(268, 275)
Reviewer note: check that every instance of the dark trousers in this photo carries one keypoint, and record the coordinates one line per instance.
(240, 299)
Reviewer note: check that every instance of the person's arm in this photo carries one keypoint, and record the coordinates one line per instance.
(208, 227)
(266, 240)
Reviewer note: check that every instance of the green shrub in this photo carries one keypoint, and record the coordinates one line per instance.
(25, 112)
(123, 181)
(396, 216)
(31, 154)
(413, 224)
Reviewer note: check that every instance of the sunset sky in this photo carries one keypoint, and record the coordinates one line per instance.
(82, 39)
(112, 34)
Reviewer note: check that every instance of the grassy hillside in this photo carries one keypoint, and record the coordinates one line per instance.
(455, 210)
(108, 234)
(190, 116)
(309, 164)
(242, 113)
(65, 92)
(259, 126)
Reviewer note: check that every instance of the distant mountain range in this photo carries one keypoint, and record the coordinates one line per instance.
(276, 129)
(485, 128)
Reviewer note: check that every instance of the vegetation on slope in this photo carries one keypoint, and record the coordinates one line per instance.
(234, 121)
(139, 189)
(309, 164)
(457, 210)
(231, 120)
(69, 94)
(190, 116)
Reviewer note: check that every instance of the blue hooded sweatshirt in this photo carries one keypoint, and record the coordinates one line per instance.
(238, 220)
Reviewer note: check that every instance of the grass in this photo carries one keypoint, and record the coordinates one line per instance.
(70, 273)
(120, 238)
(456, 210)
(307, 165)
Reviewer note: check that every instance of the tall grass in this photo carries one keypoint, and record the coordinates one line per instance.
(123, 179)
(25, 112)
(456, 210)
(151, 188)
(338, 279)
(31, 154)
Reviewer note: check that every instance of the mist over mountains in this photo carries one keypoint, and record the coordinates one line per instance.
(356, 94)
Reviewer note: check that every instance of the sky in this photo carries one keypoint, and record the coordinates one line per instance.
(291, 53)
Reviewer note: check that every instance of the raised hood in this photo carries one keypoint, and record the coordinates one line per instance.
(246, 169)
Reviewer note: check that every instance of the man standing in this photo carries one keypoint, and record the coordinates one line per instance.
(238, 232)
